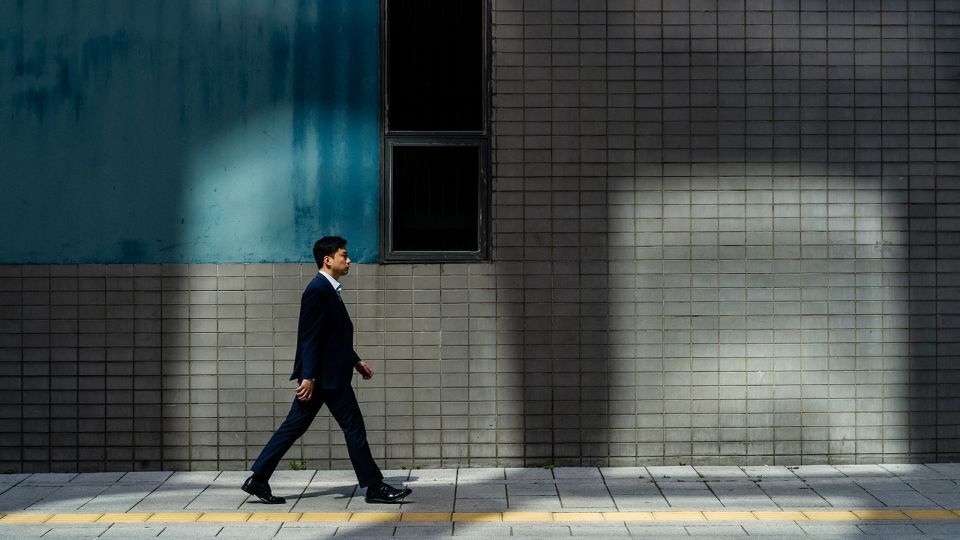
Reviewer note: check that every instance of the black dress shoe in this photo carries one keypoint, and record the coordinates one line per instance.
(385, 493)
(261, 490)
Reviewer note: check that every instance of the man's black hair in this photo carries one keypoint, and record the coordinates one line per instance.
(327, 247)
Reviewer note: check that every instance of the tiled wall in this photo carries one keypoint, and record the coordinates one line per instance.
(724, 232)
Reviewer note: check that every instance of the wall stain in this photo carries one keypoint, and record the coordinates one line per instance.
(132, 251)
(280, 54)
(97, 54)
(33, 100)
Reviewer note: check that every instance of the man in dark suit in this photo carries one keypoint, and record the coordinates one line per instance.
(324, 364)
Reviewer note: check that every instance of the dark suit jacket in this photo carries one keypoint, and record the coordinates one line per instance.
(324, 338)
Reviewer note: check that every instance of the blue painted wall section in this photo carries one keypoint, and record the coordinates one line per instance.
(183, 131)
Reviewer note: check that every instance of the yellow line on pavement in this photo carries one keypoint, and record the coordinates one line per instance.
(578, 516)
(508, 517)
(223, 517)
(528, 516)
(379, 517)
(425, 516)
(74, 518)
(123, 518)
(24, 518)
(924, 515)
(325, 516)
(477, 516)
(275, 516)
(174, 517)
(880, 514)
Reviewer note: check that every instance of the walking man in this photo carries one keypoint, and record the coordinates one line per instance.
(324, 364)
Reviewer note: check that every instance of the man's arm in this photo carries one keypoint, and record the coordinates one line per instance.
(364, 369)
(313, 316)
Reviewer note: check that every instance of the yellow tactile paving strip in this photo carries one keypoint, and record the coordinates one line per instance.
(508, 517)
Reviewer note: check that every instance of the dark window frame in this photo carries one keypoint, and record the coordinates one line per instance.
(391, 138)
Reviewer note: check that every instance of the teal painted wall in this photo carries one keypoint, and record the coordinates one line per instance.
(187, 131)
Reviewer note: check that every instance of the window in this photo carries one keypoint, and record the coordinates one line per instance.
(436, 141)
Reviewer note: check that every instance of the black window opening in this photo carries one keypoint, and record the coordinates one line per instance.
(436, 147)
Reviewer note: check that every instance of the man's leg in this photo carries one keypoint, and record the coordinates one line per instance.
(298, 420)
(344, 408)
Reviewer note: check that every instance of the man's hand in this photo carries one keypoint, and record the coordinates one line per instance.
(305, 391)
(364, 369)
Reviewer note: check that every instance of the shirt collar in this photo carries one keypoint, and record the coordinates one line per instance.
(336, 284)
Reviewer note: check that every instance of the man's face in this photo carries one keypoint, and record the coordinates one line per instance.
(337, 264)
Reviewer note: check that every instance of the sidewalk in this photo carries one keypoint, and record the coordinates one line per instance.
(840, 501)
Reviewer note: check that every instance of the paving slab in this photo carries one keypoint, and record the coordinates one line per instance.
(625, 472)
(133, 530)
(150, 477)
(481, 491)
(190, 530)
(528, 489)
(933, 486)
(674, 472)
(420, 476)
(540, 530)
(604, 530)
(436, 495)
(585, 496)
(535, 504)
(12, 479)
(481, 505)
(640, 502)
(248, 530)
(67, 498)
(339, 477)
(169, 497)
(907, 470)
(816, 471)
(202, 478)
(946, 470)
(749, 502)
(945, 500)
(890, 529)
(480, 475)
(830, 529)
(222, 499)
(943, 529)
(863, 471)
(887, 484)
(528, 475)
(577, 473)
(631, 486)
(39, 479)
(768, 472)
(424, 531)
(715, 530)
(772, 528)
(78, 530)
(903, 499)
(15, 532)
(21, 496)
(321, 498)
(119, 497)
(657, 531)
(97, 478)
(313, 531)
(480, 529)
(721, 473)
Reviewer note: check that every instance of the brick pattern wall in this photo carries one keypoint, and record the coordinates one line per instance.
(724, 232)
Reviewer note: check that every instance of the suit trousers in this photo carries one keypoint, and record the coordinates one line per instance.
(344, 408)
